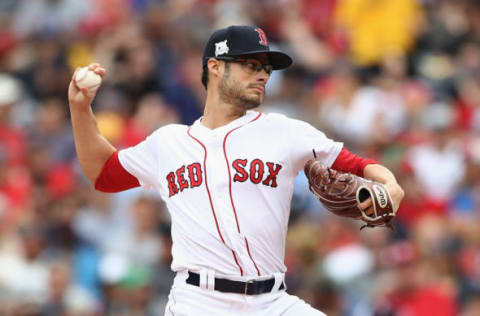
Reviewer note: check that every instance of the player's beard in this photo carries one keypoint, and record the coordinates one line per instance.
(232, 92)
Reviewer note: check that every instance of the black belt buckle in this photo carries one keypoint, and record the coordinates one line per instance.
(246, 286)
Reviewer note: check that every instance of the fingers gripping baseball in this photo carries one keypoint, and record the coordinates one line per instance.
(84, 85)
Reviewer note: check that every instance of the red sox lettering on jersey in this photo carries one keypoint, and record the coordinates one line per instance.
(177, 180)
(228, 190)
(256, 171)
(191, 176)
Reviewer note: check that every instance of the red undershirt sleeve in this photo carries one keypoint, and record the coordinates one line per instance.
(349, 162)
(114, 178)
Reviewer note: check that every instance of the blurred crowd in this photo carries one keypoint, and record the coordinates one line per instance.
(395, 80)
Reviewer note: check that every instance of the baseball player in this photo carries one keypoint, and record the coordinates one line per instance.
(227, 180)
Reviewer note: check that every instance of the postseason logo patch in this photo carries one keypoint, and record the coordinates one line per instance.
(221, 48)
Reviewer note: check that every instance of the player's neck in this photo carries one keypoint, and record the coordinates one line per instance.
(218, 113)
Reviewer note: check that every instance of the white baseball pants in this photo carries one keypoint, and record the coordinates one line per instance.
(191, 300)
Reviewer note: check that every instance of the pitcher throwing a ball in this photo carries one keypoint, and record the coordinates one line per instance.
(227, 180)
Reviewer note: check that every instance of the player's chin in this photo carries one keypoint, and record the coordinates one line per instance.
(252, 102)
(255, 98)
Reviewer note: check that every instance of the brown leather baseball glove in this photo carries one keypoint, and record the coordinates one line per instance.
(341, 194)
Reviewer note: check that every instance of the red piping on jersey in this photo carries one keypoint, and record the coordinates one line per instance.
(210, 197)
(250, 255)
(230, 186)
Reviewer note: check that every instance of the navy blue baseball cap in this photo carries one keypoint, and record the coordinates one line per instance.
(240, 40)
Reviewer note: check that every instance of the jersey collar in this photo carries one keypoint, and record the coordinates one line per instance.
(201, 130)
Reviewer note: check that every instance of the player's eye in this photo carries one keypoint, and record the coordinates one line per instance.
(268, 69)
(255, 66)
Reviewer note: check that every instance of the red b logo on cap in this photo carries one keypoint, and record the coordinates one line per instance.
(263, 36)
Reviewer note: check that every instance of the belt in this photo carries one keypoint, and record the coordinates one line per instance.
(229, 286)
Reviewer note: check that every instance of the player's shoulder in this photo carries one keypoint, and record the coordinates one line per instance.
(273, 116)
(169, 130)
(280, 118)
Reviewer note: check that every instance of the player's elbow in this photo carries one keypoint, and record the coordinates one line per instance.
(92, 174)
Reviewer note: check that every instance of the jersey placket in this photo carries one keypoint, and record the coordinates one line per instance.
(218, 177)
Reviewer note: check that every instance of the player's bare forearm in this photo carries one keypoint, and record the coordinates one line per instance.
(379, 173)
(93, 150)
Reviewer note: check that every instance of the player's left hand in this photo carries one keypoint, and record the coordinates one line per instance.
(348, 195)
(396, 193)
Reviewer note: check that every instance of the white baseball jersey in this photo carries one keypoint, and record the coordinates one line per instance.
(228, 190)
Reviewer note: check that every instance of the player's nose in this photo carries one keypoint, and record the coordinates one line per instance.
(263, 76)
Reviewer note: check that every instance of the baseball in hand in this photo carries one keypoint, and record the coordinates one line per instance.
(86, 78)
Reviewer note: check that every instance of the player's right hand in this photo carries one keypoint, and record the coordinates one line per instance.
(82, 98)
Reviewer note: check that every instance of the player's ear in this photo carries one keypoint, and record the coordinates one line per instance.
(214, 66)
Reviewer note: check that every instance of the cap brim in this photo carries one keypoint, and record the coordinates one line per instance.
(278, 60)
